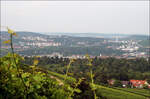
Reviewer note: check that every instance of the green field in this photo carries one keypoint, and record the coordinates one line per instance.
(112, 93)
(144, 92)
(62, 77)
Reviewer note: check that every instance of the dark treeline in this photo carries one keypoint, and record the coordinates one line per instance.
(68, 50)
(104, 69)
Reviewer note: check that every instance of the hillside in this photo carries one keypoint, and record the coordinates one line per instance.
(56, 80)
(73, 44)
(145, 43)
(116, 93)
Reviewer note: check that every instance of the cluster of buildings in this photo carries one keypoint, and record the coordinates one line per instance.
(43, 44)
(136, 54)
(78, 56)
(37, 38)
(132, 83)
(131, 49)
(38, 41)
(55, 54)
(129, 46)
(59, 55)
(31, 41)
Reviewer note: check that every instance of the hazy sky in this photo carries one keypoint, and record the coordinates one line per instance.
(127, 17)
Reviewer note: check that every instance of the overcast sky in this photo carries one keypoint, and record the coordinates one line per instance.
(126, 17)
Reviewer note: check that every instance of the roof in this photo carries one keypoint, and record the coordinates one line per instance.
(138, 82)
(148, 86)
(111, 82)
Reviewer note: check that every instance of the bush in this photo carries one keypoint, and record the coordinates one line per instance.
(117, 83)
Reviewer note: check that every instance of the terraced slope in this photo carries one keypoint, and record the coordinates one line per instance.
(112, 93)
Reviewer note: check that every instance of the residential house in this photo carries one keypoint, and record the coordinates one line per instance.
(138, 83)
(111, 82)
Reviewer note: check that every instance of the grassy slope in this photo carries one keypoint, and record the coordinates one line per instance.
(62, 77)
(111, 93)
(144, 92)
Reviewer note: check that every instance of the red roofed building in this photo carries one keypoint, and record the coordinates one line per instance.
(138, 83)
(111, 82)
(148, 86)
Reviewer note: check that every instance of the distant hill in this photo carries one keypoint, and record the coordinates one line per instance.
(97, 35)
(70, 43)
(145, 43)
(22, 33)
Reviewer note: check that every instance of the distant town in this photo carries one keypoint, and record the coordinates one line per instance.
(34, 44)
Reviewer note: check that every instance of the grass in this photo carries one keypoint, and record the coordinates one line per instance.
(62, 77)
(144, 92)
(111, 93)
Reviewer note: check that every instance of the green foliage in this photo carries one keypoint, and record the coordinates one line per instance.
(103, 69)
(148, 80)
(93, 88)
(117, 83)
(37, 83)
(30, 82)
(145, 86)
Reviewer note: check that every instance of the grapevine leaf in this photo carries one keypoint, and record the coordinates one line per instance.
(77, 90)
(14, 34)
(10, 31)
(71, 74)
